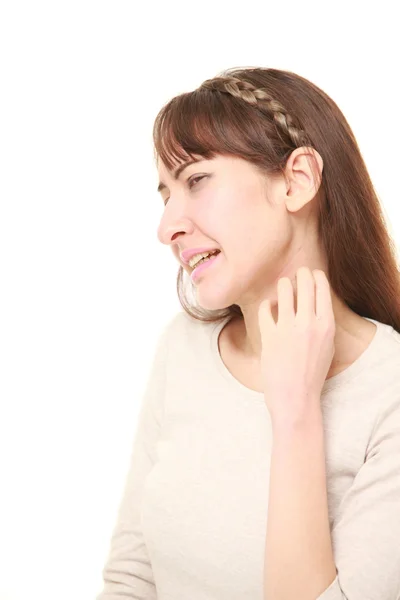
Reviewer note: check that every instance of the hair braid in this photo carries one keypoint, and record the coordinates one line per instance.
(261, 99)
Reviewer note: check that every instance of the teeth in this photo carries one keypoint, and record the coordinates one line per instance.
(195, 259)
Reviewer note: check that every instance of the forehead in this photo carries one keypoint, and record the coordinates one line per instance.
(162, 168)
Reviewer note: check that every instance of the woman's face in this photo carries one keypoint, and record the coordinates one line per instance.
(226, 203)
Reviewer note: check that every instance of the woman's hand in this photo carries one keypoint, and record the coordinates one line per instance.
(298, 350)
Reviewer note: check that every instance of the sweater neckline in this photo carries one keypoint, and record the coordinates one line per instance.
(359, 365)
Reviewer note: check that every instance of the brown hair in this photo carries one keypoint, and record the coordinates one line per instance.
(262, 115)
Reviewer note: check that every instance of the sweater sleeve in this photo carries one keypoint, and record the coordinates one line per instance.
(366, 535)
(127, 573)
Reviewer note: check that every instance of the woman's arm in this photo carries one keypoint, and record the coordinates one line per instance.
(128, 572)
(299, 560)
(365, 532)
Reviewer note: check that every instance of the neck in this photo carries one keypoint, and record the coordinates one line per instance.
(247, 337)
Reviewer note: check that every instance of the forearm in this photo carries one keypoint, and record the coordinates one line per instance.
(299, 559)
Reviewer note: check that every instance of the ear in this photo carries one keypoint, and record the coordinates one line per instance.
(303, 174)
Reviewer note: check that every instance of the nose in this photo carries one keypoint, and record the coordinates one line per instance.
(172, 230)
(172, 235)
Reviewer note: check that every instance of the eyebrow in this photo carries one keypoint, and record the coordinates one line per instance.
(182, 167)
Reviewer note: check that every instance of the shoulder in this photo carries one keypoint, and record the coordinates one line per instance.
(182, 327)
(387, 350)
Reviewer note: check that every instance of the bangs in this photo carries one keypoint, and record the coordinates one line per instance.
(202, 123)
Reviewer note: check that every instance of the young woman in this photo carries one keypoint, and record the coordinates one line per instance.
(266, 462)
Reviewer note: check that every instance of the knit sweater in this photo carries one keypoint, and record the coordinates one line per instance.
(192, 519)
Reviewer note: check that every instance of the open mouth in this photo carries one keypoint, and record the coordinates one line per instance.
(204, 264)
(206, 258)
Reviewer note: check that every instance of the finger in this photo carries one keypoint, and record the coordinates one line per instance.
(305, 293)
(265, 317)
(285, 299)
(324, 307)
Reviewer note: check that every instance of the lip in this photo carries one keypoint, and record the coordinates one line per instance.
(186, 255)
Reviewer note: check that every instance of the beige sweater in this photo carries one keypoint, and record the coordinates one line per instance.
(193, 517)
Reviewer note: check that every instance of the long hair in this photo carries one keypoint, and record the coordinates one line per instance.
(261, 115)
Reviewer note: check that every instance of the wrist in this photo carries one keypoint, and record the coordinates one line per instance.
(297, 418)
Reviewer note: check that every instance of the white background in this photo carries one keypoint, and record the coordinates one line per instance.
(85, 286)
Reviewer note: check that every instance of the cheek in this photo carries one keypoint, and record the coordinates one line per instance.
(242, 223)
(233, 217)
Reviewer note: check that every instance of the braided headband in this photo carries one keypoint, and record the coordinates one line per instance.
(261, 99)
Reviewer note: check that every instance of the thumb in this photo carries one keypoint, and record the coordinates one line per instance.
(265, 318)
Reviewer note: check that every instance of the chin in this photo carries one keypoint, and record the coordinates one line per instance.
(215, 306)
(213, 301)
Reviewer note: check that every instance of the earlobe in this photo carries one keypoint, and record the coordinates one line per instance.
(296, 202)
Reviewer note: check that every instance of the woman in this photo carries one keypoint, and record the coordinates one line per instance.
(266, 461)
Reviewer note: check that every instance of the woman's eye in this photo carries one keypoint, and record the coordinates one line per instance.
(194, 179)
(190, 182)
